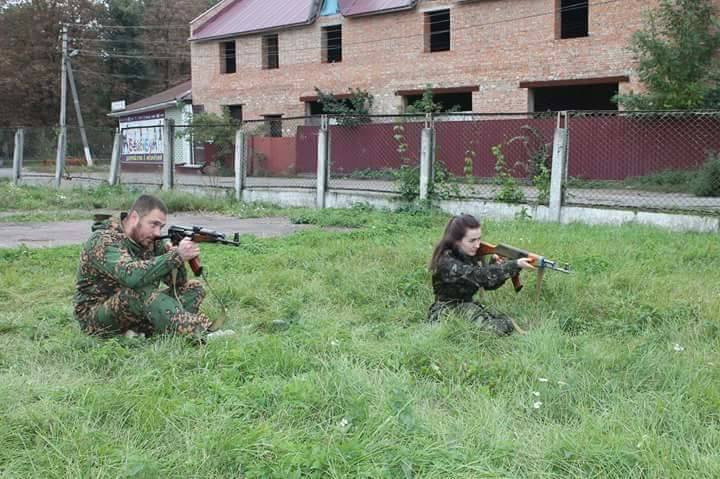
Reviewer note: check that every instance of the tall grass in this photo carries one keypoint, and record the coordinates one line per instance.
(617, 377)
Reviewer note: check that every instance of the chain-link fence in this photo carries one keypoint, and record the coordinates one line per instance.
(141, 154)
(651, 161)
(375, 153)
(504, 157)
(645, 160)
(7, 147)
(282, 152)
(39, 152)
(203, 155)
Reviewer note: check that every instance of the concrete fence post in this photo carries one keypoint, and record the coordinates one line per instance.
(168, 160)
(323, 161)
(114, 177)
(427, 157)
(559, 167)
(60, 155)
(18, 154)
(240, 163)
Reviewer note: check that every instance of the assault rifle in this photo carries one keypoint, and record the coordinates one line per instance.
(510, 252)
(198, 234)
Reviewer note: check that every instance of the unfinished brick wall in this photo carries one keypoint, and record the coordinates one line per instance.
(385, 53)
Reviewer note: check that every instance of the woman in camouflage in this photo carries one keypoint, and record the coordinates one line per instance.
(458, 272)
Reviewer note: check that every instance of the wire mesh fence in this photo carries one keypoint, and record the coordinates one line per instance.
(504, 157)
(203, 155)
(7, 147)
(282, 152)
(39, 152)
(645, 160)
(141, 154)
(653, 161)
(375, 152)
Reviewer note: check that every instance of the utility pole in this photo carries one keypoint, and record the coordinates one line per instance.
(78, 113)
(62, 137)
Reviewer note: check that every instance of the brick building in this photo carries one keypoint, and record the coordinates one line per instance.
(264, 58)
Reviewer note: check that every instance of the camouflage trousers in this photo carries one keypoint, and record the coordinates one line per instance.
(149, 311)
(477, 313)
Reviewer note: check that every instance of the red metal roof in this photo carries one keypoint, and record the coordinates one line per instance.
(242, 17)
(351, 8)
(251, 16)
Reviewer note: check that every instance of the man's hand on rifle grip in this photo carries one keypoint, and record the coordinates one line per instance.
(187, 249)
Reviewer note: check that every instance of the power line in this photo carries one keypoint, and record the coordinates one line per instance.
(181, 56)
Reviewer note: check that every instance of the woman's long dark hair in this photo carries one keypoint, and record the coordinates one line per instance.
(454, 232)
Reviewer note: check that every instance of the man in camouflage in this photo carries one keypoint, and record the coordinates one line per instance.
(121, 266)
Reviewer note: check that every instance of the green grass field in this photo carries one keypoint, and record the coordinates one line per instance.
(618, 376)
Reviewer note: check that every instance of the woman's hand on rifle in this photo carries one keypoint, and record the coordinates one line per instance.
(525, 263)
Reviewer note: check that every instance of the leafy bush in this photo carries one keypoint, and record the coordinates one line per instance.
(707, 180)
(509, 192)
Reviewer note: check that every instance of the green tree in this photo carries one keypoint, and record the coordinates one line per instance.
(218, 130)
(677, 57)
(427, 104)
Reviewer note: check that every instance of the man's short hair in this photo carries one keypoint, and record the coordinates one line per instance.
(147, 203)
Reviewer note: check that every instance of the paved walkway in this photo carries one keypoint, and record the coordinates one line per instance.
(61, 233)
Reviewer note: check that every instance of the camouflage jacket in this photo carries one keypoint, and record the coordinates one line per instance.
(110, 261)
(459, 277)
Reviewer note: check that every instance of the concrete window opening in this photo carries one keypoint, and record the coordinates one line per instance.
(575, 97)
(270, 52)
(572, 18)
(437, 31)
(227, 57)
(236, 112)
(314, 107)
(455, 102)
(332, 44)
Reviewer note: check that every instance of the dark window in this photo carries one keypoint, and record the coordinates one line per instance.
(270, 52)
(274, 125)
(332, 44)
(227, 57)
(314, 108)
(579, 97)
(198, 108)
(235, 112)
(449, 101)
(437, 31)
(317, 108)
(573, 18)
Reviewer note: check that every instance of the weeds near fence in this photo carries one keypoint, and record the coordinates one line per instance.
(407, 177)
(707, 180)
(509, 192)
(537, 164)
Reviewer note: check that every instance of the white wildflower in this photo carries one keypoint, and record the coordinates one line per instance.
(678, 348)
(345, 424)
(536, 393)
(537, 404)
(543, 380)
(334, 343)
